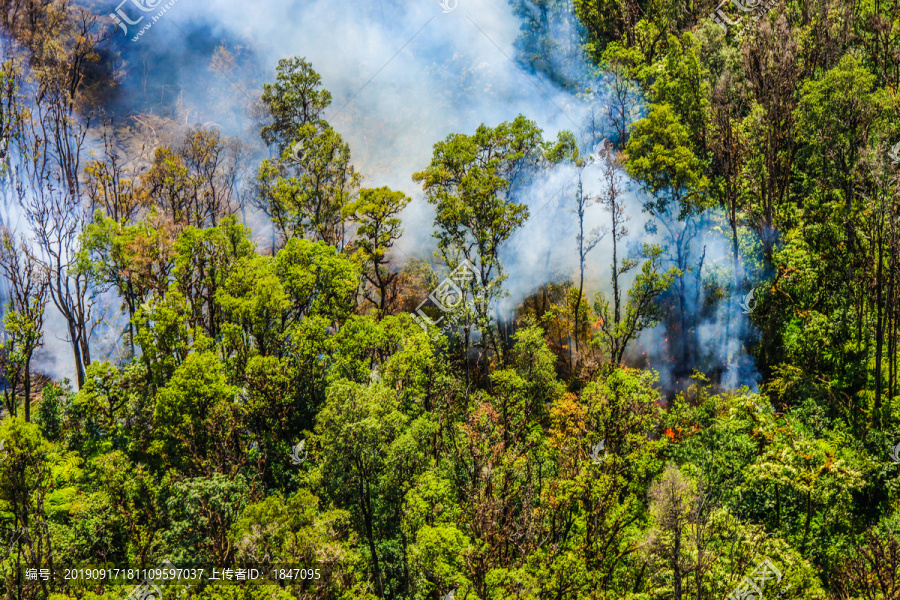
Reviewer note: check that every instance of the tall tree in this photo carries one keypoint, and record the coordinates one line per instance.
(136, 260)
(57, 220)
(661, 157)
(673, 502)
(624, 66)
(471, 181)
(306, 193)
(376, 213)
(772, 68)
(108, 188)
(48, 187)
(295, 99)
(586, 243)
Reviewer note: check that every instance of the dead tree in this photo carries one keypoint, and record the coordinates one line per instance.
(107, 186)
(28, 287)
(586, 243)
(196, 183)
(49, 192)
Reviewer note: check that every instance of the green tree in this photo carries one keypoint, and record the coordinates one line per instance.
(608, 20)
(203, 511)
(682, 83)
(136, 260)
(471, 181)
(376, 213)
(622, 321)
(198, 425)
(601, 465)
(625, 67)
(294, 100)
(772, 68)
(138, 499)
(26, 483)
(355, 429)
(297, 530)
(836, 117)
(673, 506)
(661, 158)
(104, 400)
(204, 258)
(621, 324)
(307, 191)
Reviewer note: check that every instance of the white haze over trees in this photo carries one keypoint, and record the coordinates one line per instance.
(403, 76)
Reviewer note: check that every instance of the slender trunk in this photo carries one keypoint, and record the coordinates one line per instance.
(76, 352)
(682, 309)
(382, 285)
(12, 401)
(19, 569)
(617, 295)
(879, 316)
(732, 221)
(631, 17)
(85, 348)
(578, 303)
(892, 322)
(676, 563)
(28, 389)
(580, 263)
(130, 303)
(734, 243)
(366, 506)
(698, 538)
(466, 338)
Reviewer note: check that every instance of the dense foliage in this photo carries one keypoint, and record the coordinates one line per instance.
(276, 398)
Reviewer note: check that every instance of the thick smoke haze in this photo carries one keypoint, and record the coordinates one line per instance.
(406, 75)
(403, 76)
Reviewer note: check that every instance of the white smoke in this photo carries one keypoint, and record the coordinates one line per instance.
(405, 75)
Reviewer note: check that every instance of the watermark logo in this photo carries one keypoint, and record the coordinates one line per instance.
(298, 153)
(146, 591)
(751, 588)
(748, 302)
(448, 6)
(895, 455)
(3, 452)
(596, 450)
(448, 296)
(894, 154)
(299, 453)
(449, 595)
(759, 8)
(121, 19)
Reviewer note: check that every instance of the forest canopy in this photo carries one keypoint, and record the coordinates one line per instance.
(260, 373)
